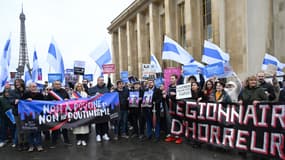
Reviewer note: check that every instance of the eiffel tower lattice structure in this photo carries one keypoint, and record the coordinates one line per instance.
(23, 50)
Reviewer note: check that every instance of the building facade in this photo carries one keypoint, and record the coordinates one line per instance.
(246, 29)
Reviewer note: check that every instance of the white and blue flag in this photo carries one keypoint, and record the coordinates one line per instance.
(55, 60)
(5, 63)
(27, 76)
(173, 51)
(102, 54)
(213, 54)
(155, 62)
(271, 60)
(35, 67)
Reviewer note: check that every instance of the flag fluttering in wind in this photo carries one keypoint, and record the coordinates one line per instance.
(35, 67)
(155, 62)
(214, 54)
(173, 51)
(27, 76)
(271, 60)
(5, 63)
(55, 60)
(102, 54)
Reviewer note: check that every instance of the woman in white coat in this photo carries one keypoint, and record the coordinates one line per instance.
(81, 132)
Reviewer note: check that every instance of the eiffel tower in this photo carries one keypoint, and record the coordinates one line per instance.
(23, 51)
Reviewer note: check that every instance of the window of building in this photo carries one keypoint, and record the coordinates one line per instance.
(207, 20)
(181, 25)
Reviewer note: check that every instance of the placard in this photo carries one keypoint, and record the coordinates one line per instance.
(54, 77)
(109, 68)
(183, 91)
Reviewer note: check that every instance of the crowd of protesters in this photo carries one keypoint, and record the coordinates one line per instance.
(142, 123)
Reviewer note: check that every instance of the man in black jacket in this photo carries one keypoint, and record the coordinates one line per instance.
(56, 88)
(101, 128)
(267, 87)
(152, 113)
(35, 138)
(124, 105)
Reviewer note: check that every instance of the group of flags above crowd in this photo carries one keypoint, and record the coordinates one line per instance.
(213, 56)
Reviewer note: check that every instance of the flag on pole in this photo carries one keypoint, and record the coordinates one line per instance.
(27, 76)
(155, 62)
(102, 54)
(214, 54)
(35, 70)
(173, 51)
(55, 60)
(5, 63)
(271, 60)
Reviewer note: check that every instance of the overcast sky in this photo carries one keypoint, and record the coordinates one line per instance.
(77, 26)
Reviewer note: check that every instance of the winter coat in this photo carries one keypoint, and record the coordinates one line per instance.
(85, 128)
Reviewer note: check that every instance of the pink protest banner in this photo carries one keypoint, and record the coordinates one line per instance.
(170, 71)
(109, 68)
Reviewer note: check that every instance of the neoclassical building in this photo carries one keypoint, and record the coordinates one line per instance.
(246, 29)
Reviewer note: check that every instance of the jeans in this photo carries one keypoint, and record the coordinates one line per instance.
(152, 121)
(35, 138)
(123, 121)
(5, 124)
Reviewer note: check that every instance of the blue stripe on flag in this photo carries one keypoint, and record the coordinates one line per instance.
(212, 53)
(7, 45)
(105, 58)
(170, 47)
(51, 50)
(268, 61)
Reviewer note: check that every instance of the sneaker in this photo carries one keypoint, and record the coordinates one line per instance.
(40, 148)
(98, 138)
(84, 143)
(52, 146)
(13, 145)
(116, 137)
(2, 144)
(178, 140)
(124, 136)
(106, 137)
(78, 143)
(169, 139)
(31, 149)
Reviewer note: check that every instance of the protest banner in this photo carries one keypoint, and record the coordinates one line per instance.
(52, 115)
(183, 91)
(170, 71)
(109, 68)
(257, 129)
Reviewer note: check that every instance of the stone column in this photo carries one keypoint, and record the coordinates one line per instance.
(155, 43)
(194, 28)
(115, 55)
(131, 49)
(142, 42)
(236, 36)
(123, 56)
(170, 24)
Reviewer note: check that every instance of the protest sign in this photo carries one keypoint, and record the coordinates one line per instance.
(134, 99)
(53, 115)
(109, 68)
(183, 91)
